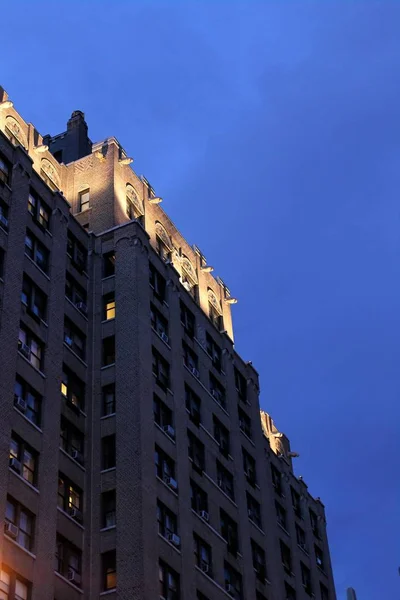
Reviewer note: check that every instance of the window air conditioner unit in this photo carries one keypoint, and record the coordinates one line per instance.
(228, 587)
(71, 575)
(220, 484)
(15, 464)
(164, 337)
(20, 403)
(215, 394)
(195, 372)
(82, 307)
(25, 350)
(204, 515)
(68, 341)
(76, 455)
(4, 220)
(172, 483)
(204, 566)
(75, 513)
(174, 539)
(169, 430)
(11, 530)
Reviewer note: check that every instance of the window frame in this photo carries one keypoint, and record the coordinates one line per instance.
(20, 510)
(84, 204)
(39, 210)
(32, 412)
(24, 449)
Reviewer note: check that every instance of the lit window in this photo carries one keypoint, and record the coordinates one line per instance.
(109, 568)
(109, 307)
(84, 198)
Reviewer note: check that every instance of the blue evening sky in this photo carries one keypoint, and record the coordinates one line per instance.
(272, 131)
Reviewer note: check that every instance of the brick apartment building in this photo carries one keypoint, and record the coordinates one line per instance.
(133, 461)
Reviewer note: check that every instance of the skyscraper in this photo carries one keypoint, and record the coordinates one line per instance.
(134, 460)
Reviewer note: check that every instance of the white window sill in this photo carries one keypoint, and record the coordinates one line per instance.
(209, 526)
(37, 266)
(75, 354)
(6, 537)
(32, 487)
(107, 416)
(256, 526)
(107, 592)
(107, 366)
(214, 582)
(169, 543)
(108, 470)
(70, 518)
(108, 528)
(76, 308)
(75, 587)
(73, 459)
(167, 486)
(165, 433)
(33, 366)
(28, 420)
(159, 336)
(220, 489)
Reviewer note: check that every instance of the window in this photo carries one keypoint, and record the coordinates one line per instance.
(217, 391)
(187, 320)
(71, 440)
(132, 211)
(306, 578)
(31, 348)
(196, 452)
(109, 264)
(244, 423)
(161, 370)
(233, 582)
(84, 200)
(5, 170)
(190, 359)
(290, 592)
(24, 523)
(301, 538)
(200, 596)
(23, 459)
(157, 282)
(68, 560)
(296, 502)
(286, 557)
(162, 250)
(249, 467)
(280, 515)
(163, 416)
(229, 531)
(167, 523)
(108, 509)
(77, 252)
(202, 552)
(324, 592)
(3, 215)
(47, 179)
(258, 556)
(108, 399)
(221, 434)
(108, 452)
(73, 389)
(319, 557)
(214, 351)
(36, 251)
(75, 293)
(74, 338)
(34, 299)
(198, 499)
(225, 481)
(108, 350)
(69, 498)
(27, 401)
(109, 570)
(276, 480)
(12, 587)
(254, 510)
(165, 467)
(193, 405)
(39, 210)
(159, 323)
(314, 524)
(169, 582)
(215, 317)
(109, 306)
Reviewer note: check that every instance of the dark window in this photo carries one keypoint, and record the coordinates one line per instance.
(301, 538)
(198, 500)
(214, 351)
(71, 440)
(108, 399)
(68, 560)
(109, 570)
(229, 531)
(260, 596)
(159, 323)
(244, 423)
(75, 293)
(215, 317)
(314, 524)
(233, 582)
(319, 557)
(19, 524)
(109, 264)
(162, 250)
(12, 586)
(5, 170)
(169, 582)
(74, 338)
(109, 306)
(202, 552)
(249, 467)
(254, 510)
(34, 299)
(161, 370)
(23, 459)
(108, 453)
(296, 502)
(190, 359)
(132, 211)
(200, 596)
(157, 282)
(108, 509)
(187, 320)
(84, 200)
(27, 401)
(73, 389)
(36, 251)
(259, 565)
(217, 391)
(31, 347)
(167, 524)
(39, 210)
(306, 578)
(324, 592)
(165, 468)
(3, 216)
(77, 252)
(108, 350)
(280, 515)
(290, 592)
(221, 434)
(225, 481)
(276, 480)
(163, 416)
(70, 498)
(193, 405)
(286, 557)
(196, 452)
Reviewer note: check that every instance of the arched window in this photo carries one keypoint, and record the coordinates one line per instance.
(215, 310)
(50, 175)
(14, 132)
(189, 277)
(163, 241)
(134, 206)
